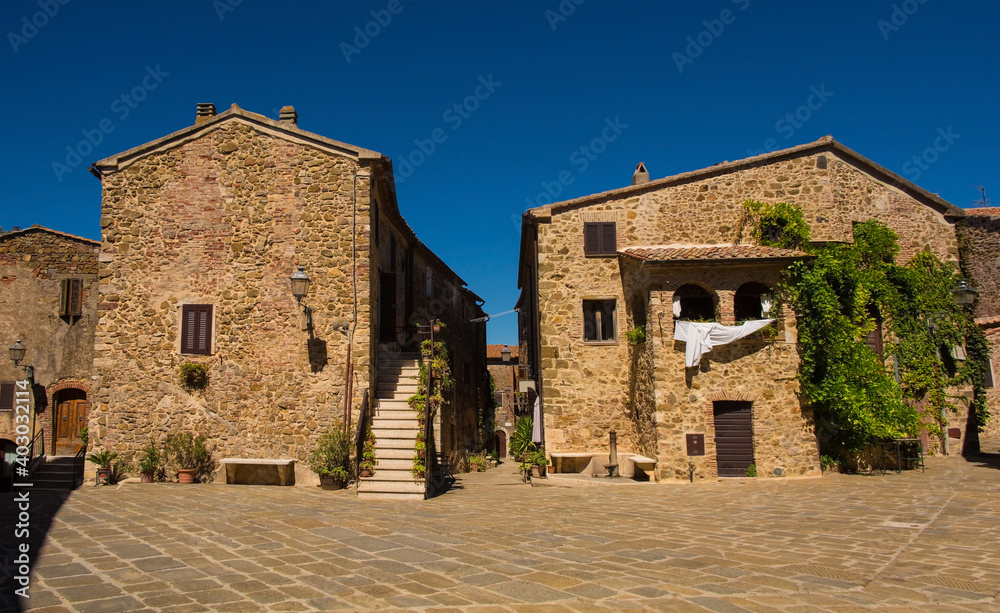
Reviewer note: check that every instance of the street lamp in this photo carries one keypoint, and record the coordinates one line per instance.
(505, 353)
(16, 352)
(300, 285)
(964, 294)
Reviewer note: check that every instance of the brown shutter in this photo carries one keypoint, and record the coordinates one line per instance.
(988, 376)
(608, 239)
(76, 297)
(64, 298)
(196, 329)
(6, 396)
(591, 238)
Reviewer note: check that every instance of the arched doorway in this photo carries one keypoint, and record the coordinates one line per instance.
(501, 442)
(68, 419)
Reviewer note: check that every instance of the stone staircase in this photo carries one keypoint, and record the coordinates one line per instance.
(56, 473)
(395, 427)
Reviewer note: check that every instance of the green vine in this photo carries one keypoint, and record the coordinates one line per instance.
(777, 225)
(844, 294)
(435, 364)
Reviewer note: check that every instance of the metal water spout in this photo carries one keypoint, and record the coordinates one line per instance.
(612, 465)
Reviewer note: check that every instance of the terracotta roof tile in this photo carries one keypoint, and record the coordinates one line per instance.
(493, 351)
(986, 211)
(686, 253)
(988, 322)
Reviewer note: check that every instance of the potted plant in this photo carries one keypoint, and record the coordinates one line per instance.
(150, 463)
(331, 459)
(539, 462)
(368, 459)
(194, 375)
(193, 459)
(103, 459)
(478, 463)
(636, 336)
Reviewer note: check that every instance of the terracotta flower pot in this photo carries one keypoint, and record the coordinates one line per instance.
(104, 474)
(329, 483)
(366, 472)
(147, 477)
(185, 475)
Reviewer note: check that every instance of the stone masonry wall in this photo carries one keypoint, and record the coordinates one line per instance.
(33, 263)
(224, 220)
(981, 245)
(587, 387)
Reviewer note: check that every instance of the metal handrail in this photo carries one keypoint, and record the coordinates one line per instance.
(364, 418)
(34, 460)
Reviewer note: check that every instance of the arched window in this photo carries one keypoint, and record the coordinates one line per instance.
(693, 303)
(747, 303)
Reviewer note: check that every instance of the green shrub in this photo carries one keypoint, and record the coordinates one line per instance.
(752, 470)
(636, 335)
(190, 452)
(332, 456)
(194, 375)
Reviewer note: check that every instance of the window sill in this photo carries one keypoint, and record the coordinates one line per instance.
(600, 343)
(600, 255)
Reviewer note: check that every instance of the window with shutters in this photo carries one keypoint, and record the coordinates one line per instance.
(874, 337)
(71, 298)
(6, 396)
(989, 378)
(196, 329)
(599, 321)
(599, 239)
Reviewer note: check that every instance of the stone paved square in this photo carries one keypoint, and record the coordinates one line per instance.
(927, 541)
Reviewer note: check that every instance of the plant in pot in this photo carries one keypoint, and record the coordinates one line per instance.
(151, 462)
(368, 459)
(478, 463)
(331, 459)
(539, 461)
(103, 459)
(194, 460)
(194, 375)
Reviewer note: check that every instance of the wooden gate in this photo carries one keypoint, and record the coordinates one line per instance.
(733, 437)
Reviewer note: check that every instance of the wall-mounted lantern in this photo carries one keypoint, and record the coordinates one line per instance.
(300, 286)
(505, 354)
(964, 294)
(17, 354)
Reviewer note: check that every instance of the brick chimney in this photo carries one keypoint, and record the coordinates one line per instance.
(288, 115)
(206, 111)
(641, 175)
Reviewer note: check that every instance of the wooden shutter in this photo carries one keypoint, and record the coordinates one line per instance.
(988, 377)
(196, 329)
(591, 238)
(608, 239)
(874, 338)
(71, 298)
(6, 396)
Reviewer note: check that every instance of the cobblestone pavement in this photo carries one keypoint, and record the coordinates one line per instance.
(912, 542)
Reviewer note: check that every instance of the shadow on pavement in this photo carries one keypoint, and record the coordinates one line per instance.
(22, 531)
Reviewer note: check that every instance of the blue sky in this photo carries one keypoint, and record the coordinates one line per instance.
(578, 89)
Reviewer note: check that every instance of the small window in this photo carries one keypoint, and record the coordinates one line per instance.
(748, 303)
(71, 298)
(599, 239)
(988, 378)
(599, 325)
(693, 303)
(196, 329)
(874, 338)
(6, 396)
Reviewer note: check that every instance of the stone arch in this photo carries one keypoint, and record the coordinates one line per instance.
(747, 301)
(697, 302)
(724, 395)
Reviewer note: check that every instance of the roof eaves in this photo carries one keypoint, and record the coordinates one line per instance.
(38, 228)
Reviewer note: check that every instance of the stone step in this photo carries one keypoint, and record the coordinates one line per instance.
(395, 453)
(389, 496)
(401, 372)
(382, 423)
(394, 464)
(393, 395)
(409, 486)
(393, 405)
(407, 413)
(394, 443)
(404, 385)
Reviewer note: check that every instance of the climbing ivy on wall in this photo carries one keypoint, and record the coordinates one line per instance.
(841, 295)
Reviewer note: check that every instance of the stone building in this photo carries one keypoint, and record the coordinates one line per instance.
(202, 230)
(677, 249)
(48, 299)
(507, 397)
(980, 231)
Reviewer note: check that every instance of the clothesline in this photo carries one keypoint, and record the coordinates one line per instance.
(703, 337)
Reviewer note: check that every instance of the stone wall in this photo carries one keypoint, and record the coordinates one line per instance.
(980, 232)
(224, 220)
(992, 429)
(589, 389)
(33, 263)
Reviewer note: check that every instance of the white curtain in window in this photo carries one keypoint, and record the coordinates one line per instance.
(765, 304)
(677, 306)
(702, 337)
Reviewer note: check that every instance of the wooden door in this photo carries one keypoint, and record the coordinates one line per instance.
(733, 437)
(501, 441)
(387, 308)
(70, 418)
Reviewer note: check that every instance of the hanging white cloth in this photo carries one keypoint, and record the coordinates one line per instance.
(677, 305)
(536, 429)
(702, 337)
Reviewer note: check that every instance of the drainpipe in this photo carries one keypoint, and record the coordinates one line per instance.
(349, 370)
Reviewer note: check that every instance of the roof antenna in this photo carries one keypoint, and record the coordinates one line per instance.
(984, 202)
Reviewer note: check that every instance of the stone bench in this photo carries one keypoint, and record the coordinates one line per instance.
(646, 465)
(258, 471)
(558, 458)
